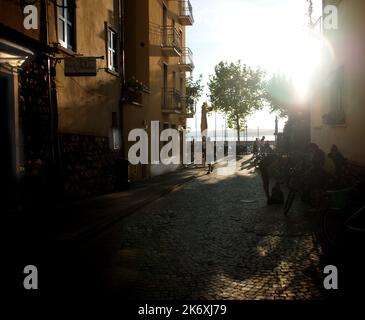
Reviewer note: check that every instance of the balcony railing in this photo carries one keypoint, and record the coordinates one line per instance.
(171, 101)
(171, 41)
(186, 61)
(189, 106)
(186, 13)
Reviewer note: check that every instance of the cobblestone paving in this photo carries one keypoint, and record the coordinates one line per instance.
(215, 238)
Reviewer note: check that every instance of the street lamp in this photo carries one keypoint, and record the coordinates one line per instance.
(246, 127)
(276, 130)
(215, 126)
(225, 136)
(225, 127)
(196, 124)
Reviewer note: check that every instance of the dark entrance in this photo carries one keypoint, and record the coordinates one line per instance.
(7, 142)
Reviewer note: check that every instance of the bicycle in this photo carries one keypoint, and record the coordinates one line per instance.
(294, 182)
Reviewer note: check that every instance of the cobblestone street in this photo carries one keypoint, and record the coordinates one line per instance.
(215, 238)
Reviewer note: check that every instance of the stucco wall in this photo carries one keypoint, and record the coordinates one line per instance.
(348, 44)
(11, 15)
(86, 104)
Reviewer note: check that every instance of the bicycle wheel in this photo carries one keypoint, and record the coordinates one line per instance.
(289, 201)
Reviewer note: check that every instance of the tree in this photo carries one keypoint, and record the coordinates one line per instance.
(280, 94)
(282, 97)
(194, 89)
(236, 90)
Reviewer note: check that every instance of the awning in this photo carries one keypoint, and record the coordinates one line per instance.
(13, 54)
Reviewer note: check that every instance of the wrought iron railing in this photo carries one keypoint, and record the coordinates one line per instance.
(171, 100)
(171, 38)
(186, 58)
(186, 9)
(189, 105)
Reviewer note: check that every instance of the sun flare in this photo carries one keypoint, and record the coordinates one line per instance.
(300, 57)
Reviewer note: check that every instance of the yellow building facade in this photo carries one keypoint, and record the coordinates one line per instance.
(156, 57)
(78, 81)
(89, 106)
(64, 96)
(338, 106)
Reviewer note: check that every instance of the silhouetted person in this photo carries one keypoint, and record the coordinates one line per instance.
(316, 178)
(256, 146)
(210, 164)
(337, 158)
(262, 144)
(266, 148)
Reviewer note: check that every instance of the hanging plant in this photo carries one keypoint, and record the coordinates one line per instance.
(134, 85)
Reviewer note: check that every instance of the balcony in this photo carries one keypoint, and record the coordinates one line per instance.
(171, 101)
(186, 61)
(189, 108)
(171, 42)
(186, 13)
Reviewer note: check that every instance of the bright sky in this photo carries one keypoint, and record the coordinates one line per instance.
(264, 33)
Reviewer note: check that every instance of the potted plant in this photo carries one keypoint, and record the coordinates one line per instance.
(134, 85)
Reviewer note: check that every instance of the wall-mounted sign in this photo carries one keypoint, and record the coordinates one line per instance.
(80, 67)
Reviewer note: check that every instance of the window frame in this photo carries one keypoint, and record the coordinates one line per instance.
(68, 19)
(335, 96)
(110, 33)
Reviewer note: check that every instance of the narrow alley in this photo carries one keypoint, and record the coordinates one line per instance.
(213, 238)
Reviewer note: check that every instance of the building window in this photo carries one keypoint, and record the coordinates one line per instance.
(66, 24)
(112, 50)
(336, 114)
(337, 93)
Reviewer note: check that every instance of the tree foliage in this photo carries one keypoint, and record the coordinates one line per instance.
(236, 90)
(281, 94)
(194, 89)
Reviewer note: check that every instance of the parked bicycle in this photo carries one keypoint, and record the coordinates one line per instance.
(294, 183)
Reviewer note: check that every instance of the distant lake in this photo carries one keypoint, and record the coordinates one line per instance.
(232, 136)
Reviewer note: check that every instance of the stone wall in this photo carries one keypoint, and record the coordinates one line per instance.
(35, 143)
(88, 165)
